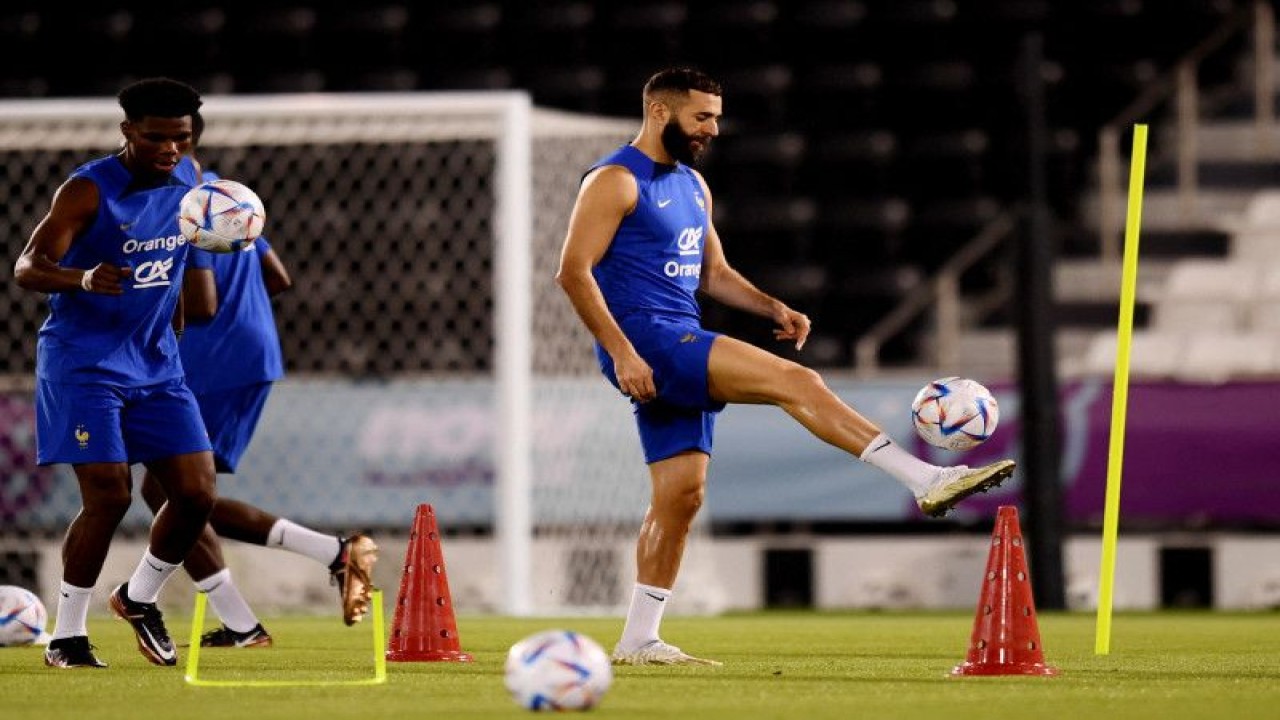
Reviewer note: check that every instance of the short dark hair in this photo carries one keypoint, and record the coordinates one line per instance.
(197, 127)
(158, 97)
(680, 79)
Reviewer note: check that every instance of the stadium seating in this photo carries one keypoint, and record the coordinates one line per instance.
(859, 134)
(1217, 357)
(1207, 295)
(1153, 355)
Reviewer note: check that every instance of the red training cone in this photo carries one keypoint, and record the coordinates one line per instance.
(1006, 638)
(424, 628)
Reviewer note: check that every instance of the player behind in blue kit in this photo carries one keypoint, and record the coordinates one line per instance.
(232, 357)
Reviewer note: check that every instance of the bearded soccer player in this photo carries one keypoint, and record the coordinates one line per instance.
(640, 247)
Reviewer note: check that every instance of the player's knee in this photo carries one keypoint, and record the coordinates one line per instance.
(800, 380)
(195, 498)
(108, 503)
(686, 501)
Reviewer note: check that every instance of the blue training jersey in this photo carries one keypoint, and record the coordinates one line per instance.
(654, 264)
(240, 345)
(125, 340)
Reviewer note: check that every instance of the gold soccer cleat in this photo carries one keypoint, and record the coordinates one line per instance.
(352, 572)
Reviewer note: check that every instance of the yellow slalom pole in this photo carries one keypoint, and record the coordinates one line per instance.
(1120, 390)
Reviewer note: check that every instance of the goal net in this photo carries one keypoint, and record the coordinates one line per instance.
(431, 358)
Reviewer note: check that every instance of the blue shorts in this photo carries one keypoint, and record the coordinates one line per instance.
(231, 415)
(682, 417)
(105, 424)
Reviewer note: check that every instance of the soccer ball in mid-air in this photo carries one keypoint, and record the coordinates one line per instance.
(22, 616)
(558, 670)
(955, 413)
(221, 216)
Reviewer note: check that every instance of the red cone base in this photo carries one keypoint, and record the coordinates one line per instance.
(1006, 638)
(424, 628)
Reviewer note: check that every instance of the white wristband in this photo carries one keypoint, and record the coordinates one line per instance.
(86, 281)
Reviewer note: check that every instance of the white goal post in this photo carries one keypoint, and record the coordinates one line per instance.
(425, 335)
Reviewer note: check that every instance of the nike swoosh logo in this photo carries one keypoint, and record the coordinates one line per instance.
(66, 595)
(153, 567)
(659, 598)
(663, 203)
(165, 653)
(881, 446)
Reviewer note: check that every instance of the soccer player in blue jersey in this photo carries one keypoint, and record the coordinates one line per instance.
(109, 381)
(231, 354)
(640, 246)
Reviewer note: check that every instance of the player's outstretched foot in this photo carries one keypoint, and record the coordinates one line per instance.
(71, 652)
(352, 572)
(226, 637)
(956, 483)
(148, 626)
(657, 653)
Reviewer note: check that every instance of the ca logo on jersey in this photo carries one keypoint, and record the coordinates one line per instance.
(152, 273)
(690, 241)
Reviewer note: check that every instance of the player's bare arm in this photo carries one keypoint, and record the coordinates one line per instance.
(274, 274)
(199, 294)
(74, 207)
(607, 196)
(722, 282)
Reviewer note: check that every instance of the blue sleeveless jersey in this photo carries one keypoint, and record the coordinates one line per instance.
(125, 340)
(654, 263)
(240, 345)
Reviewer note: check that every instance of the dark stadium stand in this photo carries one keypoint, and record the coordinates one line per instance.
(862, 138)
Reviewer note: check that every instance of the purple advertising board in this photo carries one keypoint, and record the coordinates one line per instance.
(337, 454)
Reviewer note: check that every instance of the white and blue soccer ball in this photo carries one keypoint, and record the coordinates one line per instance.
(558, 670)
(221, 216)
(955, 413)
(22, 616)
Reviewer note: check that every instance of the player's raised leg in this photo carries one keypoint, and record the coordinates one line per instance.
(739, 372)
(350, 559)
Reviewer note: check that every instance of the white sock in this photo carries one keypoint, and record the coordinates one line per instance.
(884, 453)
(73, 611)
(304, 541)
(150, 575)
(644, 616)
(227, 601)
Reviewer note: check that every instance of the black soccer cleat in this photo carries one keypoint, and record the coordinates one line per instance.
(71, 652)
(226, 637)
(148, 626)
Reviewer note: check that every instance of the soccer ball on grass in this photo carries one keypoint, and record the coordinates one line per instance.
(221, 216)
(955, 413)
(22, 616)
(557, 670)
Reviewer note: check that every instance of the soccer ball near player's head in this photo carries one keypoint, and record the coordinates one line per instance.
(221, 216)
(689, 97)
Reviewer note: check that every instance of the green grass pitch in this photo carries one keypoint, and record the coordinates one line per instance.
(776, 665)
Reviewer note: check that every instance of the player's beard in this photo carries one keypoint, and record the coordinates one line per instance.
(680, 144)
